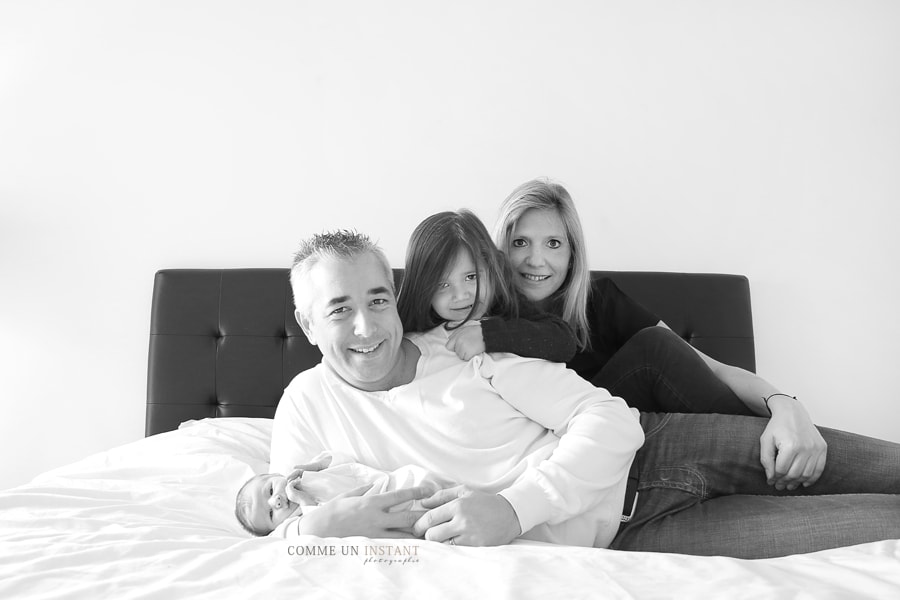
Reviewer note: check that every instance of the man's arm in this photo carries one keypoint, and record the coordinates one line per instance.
(598, 438)
(598, 433)
(293, 443)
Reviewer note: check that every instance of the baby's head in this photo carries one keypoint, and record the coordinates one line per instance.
(262, 503)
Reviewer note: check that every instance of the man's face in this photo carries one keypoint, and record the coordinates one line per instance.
(352, 317)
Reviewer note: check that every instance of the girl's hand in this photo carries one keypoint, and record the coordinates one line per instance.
(467, 341)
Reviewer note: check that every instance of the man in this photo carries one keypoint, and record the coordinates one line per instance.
(495, 423)
(544, 455)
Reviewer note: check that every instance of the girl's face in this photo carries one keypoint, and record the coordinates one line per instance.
(456, 292)
(539, 253)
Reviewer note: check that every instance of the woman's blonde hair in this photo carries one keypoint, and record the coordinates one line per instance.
(573, 294)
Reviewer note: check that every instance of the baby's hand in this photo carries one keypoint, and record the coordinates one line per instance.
(297, 494)
(322, 461)
(292, 487)
(293, 476)
(467, 341)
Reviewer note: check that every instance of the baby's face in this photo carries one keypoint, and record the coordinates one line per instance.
(269, 504)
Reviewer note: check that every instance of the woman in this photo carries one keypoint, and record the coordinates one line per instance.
(631, 352)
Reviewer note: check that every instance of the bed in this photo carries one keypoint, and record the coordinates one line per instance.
(154, 518)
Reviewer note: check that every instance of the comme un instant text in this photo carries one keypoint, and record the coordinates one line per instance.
(394, 551)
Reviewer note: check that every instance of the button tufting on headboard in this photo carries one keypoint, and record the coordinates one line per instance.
(224, 342)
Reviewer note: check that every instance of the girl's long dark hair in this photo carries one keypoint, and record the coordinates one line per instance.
(433, 246)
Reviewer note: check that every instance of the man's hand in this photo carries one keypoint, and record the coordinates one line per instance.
(468, 518)
(467, 341)
(792, 450)
(352, 514)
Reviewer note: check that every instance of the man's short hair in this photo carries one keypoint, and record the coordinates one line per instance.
(341, 244)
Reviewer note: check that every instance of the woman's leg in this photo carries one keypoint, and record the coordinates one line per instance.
(657, 371)
(702, 490)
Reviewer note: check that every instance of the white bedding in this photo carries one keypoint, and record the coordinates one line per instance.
(155, 519)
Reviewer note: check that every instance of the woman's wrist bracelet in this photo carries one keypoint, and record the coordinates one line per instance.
(766, 400)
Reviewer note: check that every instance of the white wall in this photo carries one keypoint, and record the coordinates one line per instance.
(760, 138)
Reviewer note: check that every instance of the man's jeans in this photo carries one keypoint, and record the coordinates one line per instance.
(702, 490)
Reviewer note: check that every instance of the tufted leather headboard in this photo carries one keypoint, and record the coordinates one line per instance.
(224, 342)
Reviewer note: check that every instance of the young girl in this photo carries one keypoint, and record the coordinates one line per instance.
(455, 277)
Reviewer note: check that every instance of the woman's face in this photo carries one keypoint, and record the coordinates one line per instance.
(539, 253)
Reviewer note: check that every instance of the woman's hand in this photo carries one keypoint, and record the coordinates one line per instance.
(467, 341)
(792, 450)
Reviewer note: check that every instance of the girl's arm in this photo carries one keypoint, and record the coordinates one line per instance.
(532, 335)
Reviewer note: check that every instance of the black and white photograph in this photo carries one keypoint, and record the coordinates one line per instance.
(430, 299)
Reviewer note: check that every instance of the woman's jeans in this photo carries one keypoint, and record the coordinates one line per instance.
(702, 490)
(657, 371)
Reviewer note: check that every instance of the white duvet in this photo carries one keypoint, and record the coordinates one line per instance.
(155, 519)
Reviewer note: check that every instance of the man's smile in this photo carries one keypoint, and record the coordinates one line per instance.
(367, 349)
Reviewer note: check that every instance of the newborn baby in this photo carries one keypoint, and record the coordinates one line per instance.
(270, 502)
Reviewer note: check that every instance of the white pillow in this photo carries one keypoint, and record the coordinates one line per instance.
(187, 478)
